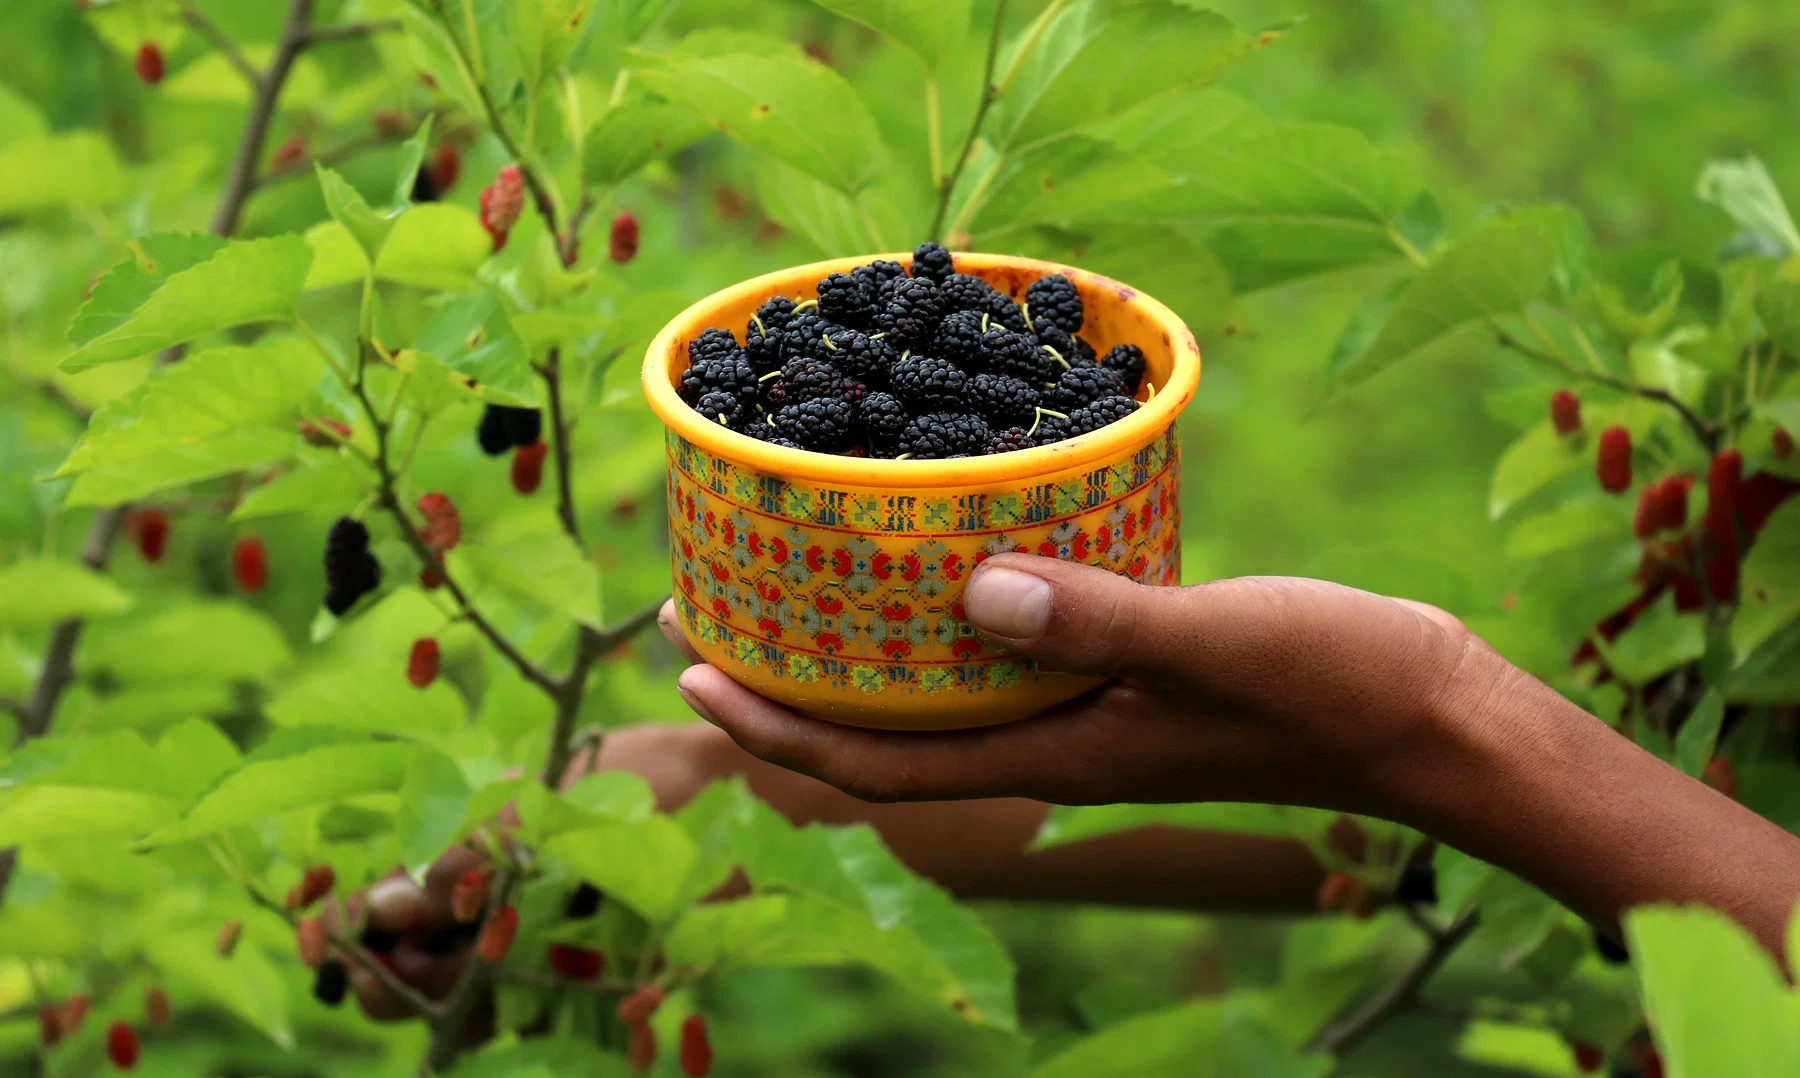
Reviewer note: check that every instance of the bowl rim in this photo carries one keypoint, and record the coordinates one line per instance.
(1098, 447)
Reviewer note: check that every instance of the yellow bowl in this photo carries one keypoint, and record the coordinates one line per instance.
(834, 584)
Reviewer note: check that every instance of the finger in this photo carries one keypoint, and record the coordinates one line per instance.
(1024, 758)
(670, 624)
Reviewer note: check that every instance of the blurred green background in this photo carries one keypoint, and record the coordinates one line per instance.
(1610, 105)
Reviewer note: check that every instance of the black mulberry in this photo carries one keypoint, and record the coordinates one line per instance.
(939, 435)
(492, 432)
(583, 903)
(823, 425)
(1010, 440)
(881, 277)
(729, 370)
(1091, 417)
(1128, 360)
(869, 359)
(808, 379)
(1053, 298)
(885, 418)
(964, 292)
(723, 407)
(1015, 354)
(930, 384)
(1052, 337)
(913, 311)
(524, 425)
(1003, 400)
(711, 344)
(331, 982)
(847, 299)
(1084, 385)
(350, 570)
(766, 333)
(932, 262)
(959, 338)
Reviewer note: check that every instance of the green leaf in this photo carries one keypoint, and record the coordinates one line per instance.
(1508, 261)
(412, 155)
(322, 486)
(472, 336)
(247, 984)
(645, 865)
(371, 695)
(1097, 60)
(1717, 1002)
(1542, 456)
(924, 28)
(634, 133)
(128, 480)
(19, 118)
(434, 799)
(836, 223)
(775, 102)
(51, 812)
(246, 281)
(1747, 193)
(77, 169)
(122, 289)
(1700, 733)
(348, 208)
(1580, 520)
(541, 1057)
(213, 393)
(543, 32)
(1660, 640)
(1770, 586)
(295, 769)
(1515, 1047)
(1203, 1039)
(1077, 823)
(39, 591)
(196, 640)
(543, 565)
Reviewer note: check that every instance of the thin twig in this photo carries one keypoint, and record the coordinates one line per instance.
(1706, 432)
(351, 31)
(590, 645)
(989, 94)
(334, 155)
(533, 979)
(63, 397)
(565, 495)
(242, 178)
(197, 19)
(471, 988)
(1402, 995)
(357, 954)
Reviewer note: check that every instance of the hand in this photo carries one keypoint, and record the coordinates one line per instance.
(1273, 690)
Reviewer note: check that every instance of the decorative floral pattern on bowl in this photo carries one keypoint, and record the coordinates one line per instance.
(834, 584)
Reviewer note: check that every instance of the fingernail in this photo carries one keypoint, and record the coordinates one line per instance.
(1008, 603)
(693, 700)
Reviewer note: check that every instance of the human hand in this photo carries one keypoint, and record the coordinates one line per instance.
(1265, 689)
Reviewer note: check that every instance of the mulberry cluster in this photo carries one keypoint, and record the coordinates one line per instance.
(504, 427)
(920, 363)
(350, 570)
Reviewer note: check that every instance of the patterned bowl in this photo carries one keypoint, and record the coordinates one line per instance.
(834, 584)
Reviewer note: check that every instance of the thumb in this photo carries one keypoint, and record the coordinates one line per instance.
(1081, 619)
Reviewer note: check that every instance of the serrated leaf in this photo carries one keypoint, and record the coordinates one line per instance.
(129, 480)
(323, 486)
(1660, 640)
(51, 812)
(189, 641)
(1769, 588)
(348, 208)
(434, 799)
(412, 155)
(472, 336)
(1500, 268)
(634, 133)
(1583, 520)
(434, 245)
(124, 288)
(371, 695)
(39, 591)
(77, 169)
(1747, 193)
(1072, 823)
(1542, 456)
(1699, 734)
(1095, 61)
(246, 984)
(213, 393)
(836, 223)
(296, 769)
(544, 566)
(645, 865)
(1516, 1047)
(775, 102)
(1717, 1002)
(924, 28)
(246, 281)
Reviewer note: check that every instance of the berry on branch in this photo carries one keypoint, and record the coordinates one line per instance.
(640, 1046)
(1565, 412)
(696, 1049)
(315, 884)
(583, 903)
(250, 564)
(576, 963)
(1781, 443)
(351, 571)
(446, 166)
(443, 525)
(122, 1045)
(226, 941)
(1613, 463)
(528, 467)
(319, 432)
(501, 202)
(469, 896)
(422, 664)
(640, 1004)
(310, 941)
(1719, 776)
(622, 238)
(331, 983)
(150, 527)
(1588, 1057)
(157, 1010)
(288, 154)
(150, 63)
(497, 935)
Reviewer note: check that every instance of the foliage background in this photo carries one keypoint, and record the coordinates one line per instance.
(1613, 108)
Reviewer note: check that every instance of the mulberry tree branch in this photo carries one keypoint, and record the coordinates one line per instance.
(1399, 996)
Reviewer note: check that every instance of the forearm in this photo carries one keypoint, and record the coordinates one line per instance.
(977, 849)
(1530, 782)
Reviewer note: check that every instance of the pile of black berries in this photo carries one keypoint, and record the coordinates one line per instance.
(924, 364)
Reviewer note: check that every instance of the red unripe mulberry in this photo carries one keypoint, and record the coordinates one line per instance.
(157, 1010)
(1724, 489)
(501, 203)
(1613, 464)
(319, 432)
(469, 896)
(696, 1049)
(310, 941)
(640, 1004)
(122, 1045)
(315, 884)
(1565, 412)
(422, 664)
(1662, 506)
(74, 1009)
(227, 939)
(1719, 776)
(150, 527)
(150, 63)
(250, 564)
(49, 1025)
(528, 467)
(1782, 443)
(1588, 1057)
(577, 963)
(430, 579)
(622, 238)
(443, 525)
(640, 1046)
(390, 123)
(1342, 891)
(446, 166)
(288, 153)
(497, 935)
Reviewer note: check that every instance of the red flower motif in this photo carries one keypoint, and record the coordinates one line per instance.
(756, 544)
(687, 583)
(829, 641)
(882, 565)
(718, 571)
(957, 611)
(829, 604)
(1046, 550)
(730, 535)
(778, 548)
(912, 567)
(965, 647)
(953, 567)
(815, 558)
(1137, 566)
(1081, 546)
(1130, 528)
(770, 593)
(896, 611)
(721, 609)
(896, 649)
(687, 548)
(840, 562)
(769, 628)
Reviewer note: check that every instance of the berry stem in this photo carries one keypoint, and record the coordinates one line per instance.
(1707, 433)
(197, 19)
(989, 94)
